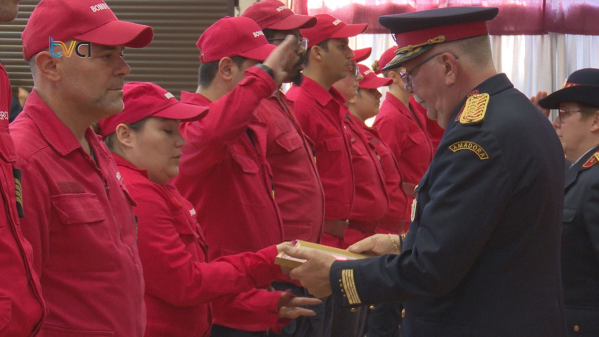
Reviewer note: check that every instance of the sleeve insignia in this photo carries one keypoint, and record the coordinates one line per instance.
(475, 108)
(349, 286)
(592, 161)
(465, 145)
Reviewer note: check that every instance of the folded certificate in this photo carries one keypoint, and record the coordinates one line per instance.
(285, 260)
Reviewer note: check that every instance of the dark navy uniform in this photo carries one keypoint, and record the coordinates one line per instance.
(580, 246)
(482, 254)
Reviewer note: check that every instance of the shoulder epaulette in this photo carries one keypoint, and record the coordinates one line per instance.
(475, 108)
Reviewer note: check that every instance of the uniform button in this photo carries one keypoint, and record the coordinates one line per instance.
(344, 295)
(371, 307)
(403, 313)
(576, 328)
(353, 309)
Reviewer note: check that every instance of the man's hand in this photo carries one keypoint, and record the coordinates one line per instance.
(535, 100)
(378, 244)
(289, 306)
(314, 273)
(281, 60)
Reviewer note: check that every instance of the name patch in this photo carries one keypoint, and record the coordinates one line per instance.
(465, 145)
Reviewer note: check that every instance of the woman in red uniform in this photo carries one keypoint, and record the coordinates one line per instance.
(180, 285)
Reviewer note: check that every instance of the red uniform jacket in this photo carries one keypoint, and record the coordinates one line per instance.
(321, 115)
(21, 305)
(224, 174)
(80, 223)
(371, 202)
(297, 188)
(394, 221)
(404, 131)
(179, 283)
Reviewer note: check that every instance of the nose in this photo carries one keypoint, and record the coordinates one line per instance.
(122, 68)
(557, 123)
(359, 77)
(180, 141)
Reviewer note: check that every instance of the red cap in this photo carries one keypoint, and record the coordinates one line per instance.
(273, 14)
(237, 36)
(370, 80)
(361, 54)
(387, 56)
(84, 20)
(144, 99)
(329, 27)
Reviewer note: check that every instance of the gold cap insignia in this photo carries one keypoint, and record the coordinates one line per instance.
(474, 109)
(592, 161)
(412, 47)
(465, 145)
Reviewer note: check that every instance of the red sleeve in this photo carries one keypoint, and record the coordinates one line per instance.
(256, 310)
(172, 273)
(228, 118)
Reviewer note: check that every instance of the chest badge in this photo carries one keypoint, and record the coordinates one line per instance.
(474, 109)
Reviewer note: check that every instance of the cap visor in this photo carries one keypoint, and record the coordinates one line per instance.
(349, 31)
(293, 22)
(182, 111)
(583, 94)
(375, 82)
(361, 54)
(118, 33)
(259, 53)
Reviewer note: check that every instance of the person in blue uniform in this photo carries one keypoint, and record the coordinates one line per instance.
(577, 125)
(482, 254)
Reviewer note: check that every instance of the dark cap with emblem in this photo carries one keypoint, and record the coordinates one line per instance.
(417, 32)
(581, 87)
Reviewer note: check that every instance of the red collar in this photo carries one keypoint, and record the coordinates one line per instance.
(194, 98)
(120, 161)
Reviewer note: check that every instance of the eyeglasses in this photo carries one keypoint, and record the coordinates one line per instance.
(406, 76)
(301, 42)
(353, 69)
(563, 114)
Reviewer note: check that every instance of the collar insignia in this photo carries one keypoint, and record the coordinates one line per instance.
(592, 161)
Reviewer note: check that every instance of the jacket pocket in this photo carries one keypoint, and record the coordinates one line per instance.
(334, 144)
(417, 137)
(289, 142)
(80, 239)
(5, 312)
(246, 164)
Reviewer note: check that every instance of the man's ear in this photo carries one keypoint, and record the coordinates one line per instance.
(316, 52)
(394, 75)
(47, 66)
(225, 68)
(124, 135)
(451, 68)
(595, 125)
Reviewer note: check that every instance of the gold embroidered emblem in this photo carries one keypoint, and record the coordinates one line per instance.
(410, 48)
(592, 161)
(349, 285)
(474, 109)
(414, 207)
(465, 145)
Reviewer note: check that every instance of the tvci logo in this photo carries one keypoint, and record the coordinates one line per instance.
(69, 51)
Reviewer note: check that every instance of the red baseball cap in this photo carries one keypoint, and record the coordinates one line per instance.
(361, 54)
(239, 36)
(370, 80)
(329, 27)
(145, 99)
(84, 20)
(381, 63)
(273, 14)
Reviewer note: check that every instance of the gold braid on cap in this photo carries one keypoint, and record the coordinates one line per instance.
(411, 47)
(375, 65)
